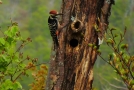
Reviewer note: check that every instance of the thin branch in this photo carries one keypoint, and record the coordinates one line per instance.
(113, 36)
(25, 69)
(113, 85)
(120, 81)
(18, 65)
(106, 61)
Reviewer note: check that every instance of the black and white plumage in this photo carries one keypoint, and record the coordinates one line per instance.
(53, 26)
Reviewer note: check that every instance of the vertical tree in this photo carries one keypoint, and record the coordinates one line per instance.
(71, 65)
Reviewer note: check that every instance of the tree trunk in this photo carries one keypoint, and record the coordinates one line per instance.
(71, 65)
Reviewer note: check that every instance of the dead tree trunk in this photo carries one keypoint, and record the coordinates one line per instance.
(71, 65)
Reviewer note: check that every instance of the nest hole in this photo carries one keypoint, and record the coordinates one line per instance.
(77, 25)
(74, 43)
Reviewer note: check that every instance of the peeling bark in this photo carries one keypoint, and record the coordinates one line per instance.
(71, 66)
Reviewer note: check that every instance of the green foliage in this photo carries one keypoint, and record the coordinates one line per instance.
(10, 63)
(9, 85)
(120, 59)
(31, 16)
(13, 64)
(121, 16)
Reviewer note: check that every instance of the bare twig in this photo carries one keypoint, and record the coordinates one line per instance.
(113, 85)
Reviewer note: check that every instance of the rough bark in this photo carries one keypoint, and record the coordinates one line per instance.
(71, 65)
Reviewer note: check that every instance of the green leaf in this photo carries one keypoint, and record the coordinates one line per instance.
(124, 46)
(131, 82)
(99, 52)
(9, 85)
(22, 65)
(8, 33)
(109, 41)
(112, 29)
(11, 32)
(121, 53)
(14, 30)
(11, 71)
(125, 56)
(1, 75)
(9, 40)
(95, 47)
(19, 85)
(122, 71)
(2, 41)
(91, 45)
(110, 56)
(3, 61)
(3, 69)
(16, 58)
(124, 77)
(115, 71)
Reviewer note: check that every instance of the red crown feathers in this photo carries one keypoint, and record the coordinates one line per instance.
(53, 12)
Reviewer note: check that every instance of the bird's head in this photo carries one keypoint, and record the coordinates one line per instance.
(54, 13)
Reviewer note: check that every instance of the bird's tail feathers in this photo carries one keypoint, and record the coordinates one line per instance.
(56, 43)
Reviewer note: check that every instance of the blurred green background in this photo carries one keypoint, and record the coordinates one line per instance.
(31, 16)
